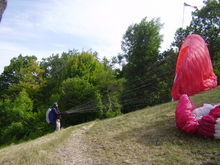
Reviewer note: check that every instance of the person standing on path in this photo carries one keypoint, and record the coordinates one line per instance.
(56, 116)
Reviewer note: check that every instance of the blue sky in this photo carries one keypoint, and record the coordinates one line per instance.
(46, 27)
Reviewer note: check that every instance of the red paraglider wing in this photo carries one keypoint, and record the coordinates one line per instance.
(185, 120)
(194, 71)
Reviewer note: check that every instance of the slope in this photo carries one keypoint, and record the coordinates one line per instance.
(147, 136)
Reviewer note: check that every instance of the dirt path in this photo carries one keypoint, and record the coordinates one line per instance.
(74, 150)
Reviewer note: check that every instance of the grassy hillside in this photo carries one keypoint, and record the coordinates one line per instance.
(147, 136)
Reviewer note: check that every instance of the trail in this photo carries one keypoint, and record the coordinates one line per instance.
(74, 149)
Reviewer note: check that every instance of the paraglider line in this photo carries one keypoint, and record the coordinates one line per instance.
(147, 86)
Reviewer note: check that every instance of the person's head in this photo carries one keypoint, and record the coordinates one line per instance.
(55, 104)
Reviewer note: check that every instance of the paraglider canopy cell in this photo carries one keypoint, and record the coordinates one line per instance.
(194, 71)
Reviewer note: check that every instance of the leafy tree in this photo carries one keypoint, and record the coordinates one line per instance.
(31, 79)
(85, 69)
(11, 74)
(82, 65)
(94, 77)
(75, 91)
(54, 66)
(205, 22)
(17, 119)
(3, 5)
(140, 45)
(216, 65)
(166, 73)
(179, 37)
(73, 79)
(110, 87)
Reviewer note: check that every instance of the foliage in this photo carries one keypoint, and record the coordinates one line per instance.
(32, 81)
(140, 45)
(111, 88)
(82, 65)
(75, 91)
(53, 67)
(205, 22)
(216, 65)
(89, 81)
(11, 74)
(75, 79)
(17, 115)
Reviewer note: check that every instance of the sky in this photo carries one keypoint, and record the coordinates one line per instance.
(45, 27)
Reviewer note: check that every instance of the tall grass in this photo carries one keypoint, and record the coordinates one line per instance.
(147, 136)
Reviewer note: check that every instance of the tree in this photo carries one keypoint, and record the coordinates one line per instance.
(79, 87)
(11, 74)
(73, 79)
(3, 4)
(83, 65)
(85, 79)
(179, 37)
(205, 22)
(140, 45)
(54, 67)
(110, 86)
(17, 119)
(75, 91)
(32, 81)
(78, 94)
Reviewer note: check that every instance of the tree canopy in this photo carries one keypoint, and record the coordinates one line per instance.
(205, 22)
(140, 45)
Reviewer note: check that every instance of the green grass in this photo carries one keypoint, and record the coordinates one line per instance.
(147, 136)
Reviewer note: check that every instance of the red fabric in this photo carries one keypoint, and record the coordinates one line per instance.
(206, 127)
(185, 120)
(203, 133)
(210, 127)
(209, 119)
(194, 71)
(215, 112)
